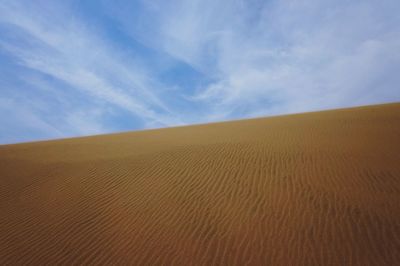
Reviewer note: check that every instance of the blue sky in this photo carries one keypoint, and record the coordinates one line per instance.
(72, 68)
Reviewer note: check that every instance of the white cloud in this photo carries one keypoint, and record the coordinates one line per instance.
(86, 122)
(282, 56)
(17, 119)
(62, 46)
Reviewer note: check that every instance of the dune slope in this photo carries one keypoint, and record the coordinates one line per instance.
(317, 188)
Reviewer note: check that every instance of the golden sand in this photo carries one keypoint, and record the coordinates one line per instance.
(318, 188)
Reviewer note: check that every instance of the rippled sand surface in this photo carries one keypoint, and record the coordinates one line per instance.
(317, 188)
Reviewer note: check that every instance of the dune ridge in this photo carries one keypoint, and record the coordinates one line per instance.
(319, 188)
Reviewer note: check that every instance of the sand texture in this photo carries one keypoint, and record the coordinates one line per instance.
(318, 188)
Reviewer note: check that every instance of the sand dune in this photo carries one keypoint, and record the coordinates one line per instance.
(318, 188)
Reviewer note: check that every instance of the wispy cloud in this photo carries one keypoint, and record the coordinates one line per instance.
(283, 56)
(58, 44)
(16, 119)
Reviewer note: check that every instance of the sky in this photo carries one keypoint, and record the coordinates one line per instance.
(73, 68)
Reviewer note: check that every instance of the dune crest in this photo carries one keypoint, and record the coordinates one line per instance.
(318, 188)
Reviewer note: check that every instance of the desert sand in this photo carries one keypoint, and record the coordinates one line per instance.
(319, 188)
